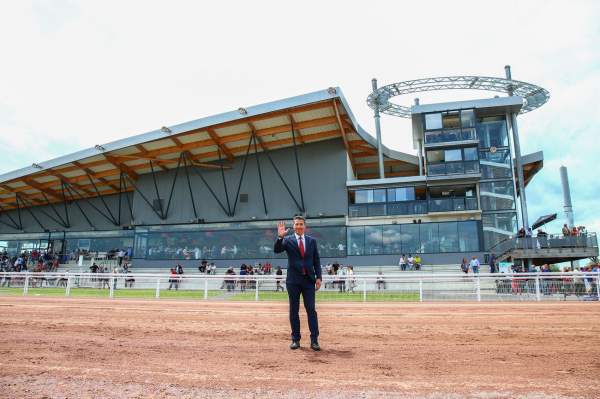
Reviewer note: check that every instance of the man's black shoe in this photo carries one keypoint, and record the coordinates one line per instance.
(315, 346)
(295, 345)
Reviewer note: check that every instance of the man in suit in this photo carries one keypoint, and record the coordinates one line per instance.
(303, 277)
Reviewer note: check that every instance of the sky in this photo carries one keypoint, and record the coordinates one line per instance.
(79, 73)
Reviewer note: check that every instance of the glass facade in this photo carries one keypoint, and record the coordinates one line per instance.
(230, 244)
(495, 165)
(452, 161)
(497, 227)
(497, 189)
(391, 201)
(414, 238)
(497, 195)
(442, 127)
(492, 132)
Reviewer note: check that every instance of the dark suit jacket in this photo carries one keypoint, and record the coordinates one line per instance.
(311, 260)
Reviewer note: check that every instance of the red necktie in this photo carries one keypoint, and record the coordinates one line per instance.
(301, 245)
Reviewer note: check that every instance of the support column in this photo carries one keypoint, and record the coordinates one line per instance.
(378, 130)
(518, 161)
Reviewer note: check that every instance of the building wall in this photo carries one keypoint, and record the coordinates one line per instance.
(76, 219)
(323, 175)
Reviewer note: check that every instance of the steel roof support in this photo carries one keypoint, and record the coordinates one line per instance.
(224, 182)
(122, 178)
(87, 219)
(298, 165)
(14, 225)
(135, 187)
(237, 194)
(262, 190)
(208, 186)
(266, 152)
(173, 185)
(18, 198)
(86, 199)
(162, 213)
(64, 196)
(112, 217)
(189, 184)
(60, 219)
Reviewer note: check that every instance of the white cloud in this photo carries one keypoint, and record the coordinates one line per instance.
(80, 73)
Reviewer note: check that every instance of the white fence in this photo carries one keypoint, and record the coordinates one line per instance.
(397, 287)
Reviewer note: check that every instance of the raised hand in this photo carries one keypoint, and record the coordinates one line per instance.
(281, 229)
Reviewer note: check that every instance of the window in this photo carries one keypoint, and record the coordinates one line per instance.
(435, 156)
(468, 237)
(433, 121)
(378, 196)
(401, 194)
(452, 155)
(497, 227)
(451, 120)
(467, 118)
(492, 132)
(429, 238)
(470, 153)
(373, 240)
(410, 238)
(497, 195)
(448, 236)
(392, 243)
(495, 165)
(356, 240)
(366, 196)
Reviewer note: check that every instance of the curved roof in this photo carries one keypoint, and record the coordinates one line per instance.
(210, 142)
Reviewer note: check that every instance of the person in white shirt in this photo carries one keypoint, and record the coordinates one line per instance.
(411, 262)
(402, 262)
(474, 264)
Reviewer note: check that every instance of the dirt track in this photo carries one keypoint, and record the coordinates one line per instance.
(137, 349)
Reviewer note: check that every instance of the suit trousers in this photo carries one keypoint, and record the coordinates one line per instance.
(306, 287)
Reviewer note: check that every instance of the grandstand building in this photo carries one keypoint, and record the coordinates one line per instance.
(214, 188)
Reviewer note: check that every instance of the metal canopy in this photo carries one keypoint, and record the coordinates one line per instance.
(542, 220)
(207, 143)
(533, 96)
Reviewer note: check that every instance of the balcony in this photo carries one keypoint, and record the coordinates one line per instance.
(452, 168)
(553, 248)
(452, 204)
(418, 207)
(449, 135)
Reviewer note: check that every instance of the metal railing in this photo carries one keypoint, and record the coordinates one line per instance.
(452, 168)
(398, 287)
(415, 207)
(452, 204)
(449, 135)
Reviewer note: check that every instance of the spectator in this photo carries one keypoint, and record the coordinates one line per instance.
(230, 284)
(278, 273)
(411, 262)
(174, 280)
(120, 256)
(402, 262)
(565, 230)
(417, 262)
(351, 280)
(493, 266)
(341, 279)
(243, 272)
(475, 265)
(464, 266)
(380, 281)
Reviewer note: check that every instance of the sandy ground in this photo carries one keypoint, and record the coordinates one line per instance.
(91, 348)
